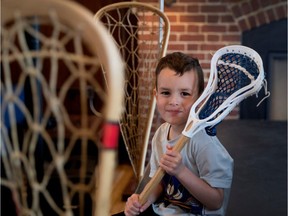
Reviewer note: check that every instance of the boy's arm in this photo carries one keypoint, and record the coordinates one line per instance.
(209, 196)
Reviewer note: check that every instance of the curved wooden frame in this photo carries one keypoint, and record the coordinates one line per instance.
(102, 52)
(163, 41)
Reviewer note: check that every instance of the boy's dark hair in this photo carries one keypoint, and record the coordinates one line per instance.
(181, 63)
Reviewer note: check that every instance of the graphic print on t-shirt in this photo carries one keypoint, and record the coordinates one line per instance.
(175, 193)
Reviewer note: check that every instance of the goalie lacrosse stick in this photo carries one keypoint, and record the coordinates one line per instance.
(53, 168)
(236, 73)
(141, 32)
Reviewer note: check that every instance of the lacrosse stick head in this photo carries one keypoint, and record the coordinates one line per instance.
(50, 140)
(236, 73)
(141, 32)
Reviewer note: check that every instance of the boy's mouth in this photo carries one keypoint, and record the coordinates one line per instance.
(173, 111)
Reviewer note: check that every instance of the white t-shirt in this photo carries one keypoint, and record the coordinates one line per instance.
(206, 157)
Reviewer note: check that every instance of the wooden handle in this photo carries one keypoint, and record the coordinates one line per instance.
(152, 184)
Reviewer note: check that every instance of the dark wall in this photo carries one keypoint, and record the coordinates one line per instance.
(266, 40)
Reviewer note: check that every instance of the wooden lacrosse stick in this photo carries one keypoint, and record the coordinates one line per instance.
(236, 73)
(141, 32)
(69, 57)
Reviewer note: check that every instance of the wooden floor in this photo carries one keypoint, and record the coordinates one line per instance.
(124, 181)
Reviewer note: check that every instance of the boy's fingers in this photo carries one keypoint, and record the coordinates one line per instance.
(169, 147)
(145, 206)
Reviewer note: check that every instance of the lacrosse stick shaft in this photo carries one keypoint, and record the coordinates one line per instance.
(107, 168)
(104, 190)
(156, 179)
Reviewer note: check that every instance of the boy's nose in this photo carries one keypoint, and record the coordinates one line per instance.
(174, 100)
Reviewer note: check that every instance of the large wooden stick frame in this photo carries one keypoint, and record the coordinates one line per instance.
(112, 16)
(102, 48)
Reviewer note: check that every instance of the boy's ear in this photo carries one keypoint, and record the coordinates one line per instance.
(154, 92)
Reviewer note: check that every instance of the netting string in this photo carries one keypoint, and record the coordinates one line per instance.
(267, 93)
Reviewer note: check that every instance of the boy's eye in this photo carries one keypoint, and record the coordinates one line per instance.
(185, 94)
(165, 92)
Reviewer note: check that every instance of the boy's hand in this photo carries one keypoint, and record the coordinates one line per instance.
(171, 162)
(133, 207)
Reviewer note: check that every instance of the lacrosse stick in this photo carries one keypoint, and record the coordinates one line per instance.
(52, 167)
(141, 32)
(236, 73)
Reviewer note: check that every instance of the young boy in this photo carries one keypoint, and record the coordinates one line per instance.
(197, 180)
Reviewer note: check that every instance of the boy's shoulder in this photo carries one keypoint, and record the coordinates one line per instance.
(163, 127)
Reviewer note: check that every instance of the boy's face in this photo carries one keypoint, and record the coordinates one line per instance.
(175, 95)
